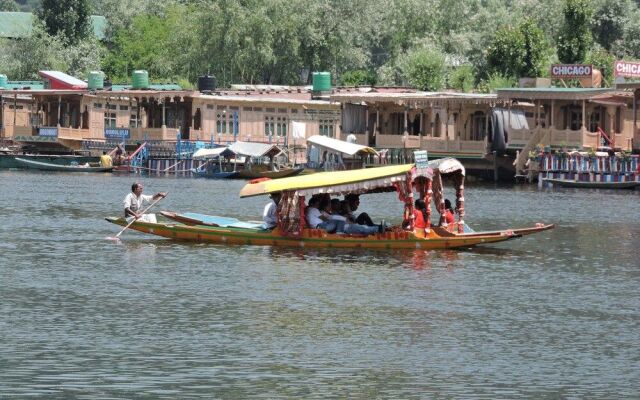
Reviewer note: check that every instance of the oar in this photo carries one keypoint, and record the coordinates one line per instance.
(117, 237)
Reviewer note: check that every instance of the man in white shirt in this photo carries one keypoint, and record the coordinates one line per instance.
(134, 201)
(270, 215)
(316, 219)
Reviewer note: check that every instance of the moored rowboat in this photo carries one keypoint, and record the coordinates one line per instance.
(31, 164)
(592, 185)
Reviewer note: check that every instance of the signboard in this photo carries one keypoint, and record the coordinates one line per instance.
(117, 133)
(422, 159)
(626, 69)
(571, 70)
(50, 132)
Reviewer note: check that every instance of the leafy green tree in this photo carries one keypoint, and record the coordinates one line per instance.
(462, 78)
(424, 69)
(609, 22)
(603, 61)
(496, 81)
(68, 18)
(358, 78)
(144, 46)
(8, 5)
(574, 40)
(518, 51)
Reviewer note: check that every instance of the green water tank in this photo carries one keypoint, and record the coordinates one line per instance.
(96, 80)
(321, 81)
(140, 80)
(3, 81)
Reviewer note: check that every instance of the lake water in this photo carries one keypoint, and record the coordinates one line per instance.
(553, 315)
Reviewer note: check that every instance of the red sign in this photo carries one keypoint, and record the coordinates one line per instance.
(626, 68)
(571, 70)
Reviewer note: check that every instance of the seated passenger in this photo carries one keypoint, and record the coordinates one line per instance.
(321, 220)
(269, 215)
(420, 216)
(447, 217)
(354, 228)
(354, 201)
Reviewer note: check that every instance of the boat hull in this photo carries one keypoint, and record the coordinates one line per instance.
(42, 166)
(593, 185)
(283, 173)
(316, 238)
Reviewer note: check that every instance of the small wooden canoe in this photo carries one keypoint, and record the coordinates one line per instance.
(42, 166)
(592, 185)
(283, 173)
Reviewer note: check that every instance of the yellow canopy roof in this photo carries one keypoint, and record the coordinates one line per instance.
(376, 176)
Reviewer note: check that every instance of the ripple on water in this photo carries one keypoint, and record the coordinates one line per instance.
(547, 316)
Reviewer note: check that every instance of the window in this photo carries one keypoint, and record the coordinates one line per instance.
(97, 105)
(326, 128)
(269, 125)
(596, 120)
(124, 108)
(222, 120)
(209, 106)
(134, 122)
(276, 126)
(618, 121)
(112, 106)
(109, 120)
(478, 125)
(281, 126)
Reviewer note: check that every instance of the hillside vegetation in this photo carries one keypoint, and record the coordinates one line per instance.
(428, 44)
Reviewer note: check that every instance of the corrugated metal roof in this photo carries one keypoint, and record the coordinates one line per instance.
(552, 93)
(33, 85)
(20, 24)
(163, 86)
(64, 78)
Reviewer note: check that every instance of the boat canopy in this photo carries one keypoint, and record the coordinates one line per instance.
(204, 154)
(340, 146)
(336, 182)
(447, 166)
(257, 150)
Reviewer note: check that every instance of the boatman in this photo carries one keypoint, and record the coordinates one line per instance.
(134, 201)
(105, 160)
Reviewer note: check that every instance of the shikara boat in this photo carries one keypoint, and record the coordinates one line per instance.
(43, 166)
(242, 160)
(592, 185)
(292, 229)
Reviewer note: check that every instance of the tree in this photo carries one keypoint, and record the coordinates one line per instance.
(68, 18)
(518, 51)
(609, 22)
(575, 37)
(8, 5)
(602, 60)
(462, 78)
(424, 69)
(358, 78)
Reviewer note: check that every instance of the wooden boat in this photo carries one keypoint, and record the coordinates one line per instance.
(255, 173)
(43, 166)
(592, 185)
(242, 160)
(292, 230)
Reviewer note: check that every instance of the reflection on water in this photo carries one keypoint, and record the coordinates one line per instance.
(549, 316)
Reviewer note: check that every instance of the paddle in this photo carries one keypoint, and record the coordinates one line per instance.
(117, 237)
